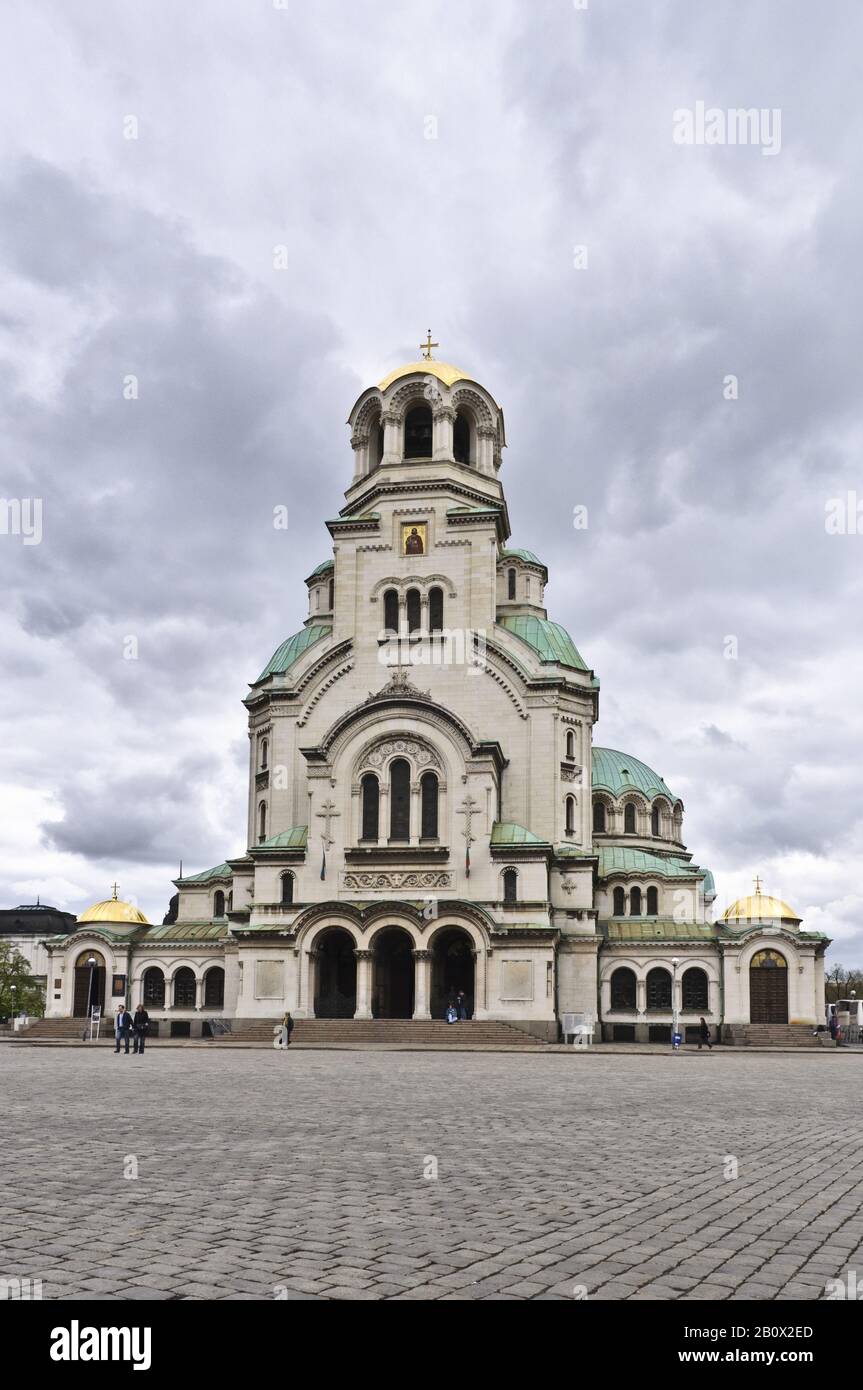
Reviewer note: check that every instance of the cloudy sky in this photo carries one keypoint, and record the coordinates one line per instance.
(422, 165)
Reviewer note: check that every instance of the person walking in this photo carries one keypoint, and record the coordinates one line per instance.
(288, 1027)
(704, 1035)
(122, 1027)
(461, 1004)
(140, 1028)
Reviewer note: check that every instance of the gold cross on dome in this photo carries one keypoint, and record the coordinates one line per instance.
(426, 347)
(758, 885)
(114, 891)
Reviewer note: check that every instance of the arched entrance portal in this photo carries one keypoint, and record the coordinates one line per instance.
(768, 988)
(335, 975)
(89, 983)
(393, 989)
(452, 970)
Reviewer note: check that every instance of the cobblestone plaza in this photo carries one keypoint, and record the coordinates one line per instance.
(230, 1174)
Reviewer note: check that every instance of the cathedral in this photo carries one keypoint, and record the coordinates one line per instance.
(428, 814)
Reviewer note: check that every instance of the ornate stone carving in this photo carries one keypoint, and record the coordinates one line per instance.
(569, 773)
(421, 754)
(396, 880)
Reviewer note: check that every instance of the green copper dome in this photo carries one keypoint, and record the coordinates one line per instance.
(549, 640)
(291, 650)
(619, 772)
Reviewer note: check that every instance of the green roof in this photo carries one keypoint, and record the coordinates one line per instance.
(473, 511)
(709, 884)
(508, 833)
(187, 931)
(658, 929)
(550, 641)
(526, 555)
(292, 649)
(618, 772)
(617, 859)
(220, 871)
(295, 837)
(322, 568)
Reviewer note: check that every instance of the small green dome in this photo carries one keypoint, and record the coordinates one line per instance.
(549, 640)
(292, 649)
(619, 772)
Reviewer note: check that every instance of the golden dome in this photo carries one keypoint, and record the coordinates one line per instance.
(114, 909)
(444, 371)
(759, 907)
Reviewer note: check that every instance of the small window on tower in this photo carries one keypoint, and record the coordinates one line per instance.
(510, 584)
(414, 610)
(391, 610)
(436, 610)
(570, 815)
(331, 592)
(461, 438)
(418, 433)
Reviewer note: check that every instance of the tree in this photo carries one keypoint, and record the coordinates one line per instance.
(20, 992)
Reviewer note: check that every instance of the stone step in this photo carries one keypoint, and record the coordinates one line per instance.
(316, 1030)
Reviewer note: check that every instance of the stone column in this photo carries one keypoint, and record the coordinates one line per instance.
(364, 984)
(392, 438)
(360, 446)
(414, 826)
(485, 437)
(442, 433)
(422, 964)
(640, 995)
(383, 812)
(605, 998)
(199, 994)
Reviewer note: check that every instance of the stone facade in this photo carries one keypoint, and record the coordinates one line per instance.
(427, 811)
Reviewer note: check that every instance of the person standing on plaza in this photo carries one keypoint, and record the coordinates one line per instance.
(122, 1027)
(140, 1028)
(288, 1026)
(704, 1035)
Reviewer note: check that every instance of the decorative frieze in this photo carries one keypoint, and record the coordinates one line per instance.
(396, 880)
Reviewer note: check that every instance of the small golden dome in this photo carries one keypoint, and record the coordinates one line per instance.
(759, 907)
(114, 909)
(429, 366)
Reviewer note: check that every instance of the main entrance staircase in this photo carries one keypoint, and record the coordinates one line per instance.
(321, 1031)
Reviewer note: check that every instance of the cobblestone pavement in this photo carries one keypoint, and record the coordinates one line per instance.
(263, 1172)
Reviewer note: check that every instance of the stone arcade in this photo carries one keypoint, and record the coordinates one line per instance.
(427, 810)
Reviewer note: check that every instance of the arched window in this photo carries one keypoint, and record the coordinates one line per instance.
(391, 610)
(635, 902)
(629, 819)
(287, 894)
(428, 806)
(695, 989)
(413, 607)
(570, 744)
(262, 822)
(658, 989)
(400, 800)
(510, 584)
(510, 885)
(154, 987)
(214, 988)
(331, 594)
(570, 815)
(436, 610)
(370, 792)
(376, 443)
(218, 903)
(184, 988)
(265, 752)
(599, 816)
(623, 988)
(652, 902)
(655, 821)
(619, 902)
(461, 438)
(418, 433)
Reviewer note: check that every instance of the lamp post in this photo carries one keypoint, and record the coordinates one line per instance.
(12, 989)
(675, 961)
